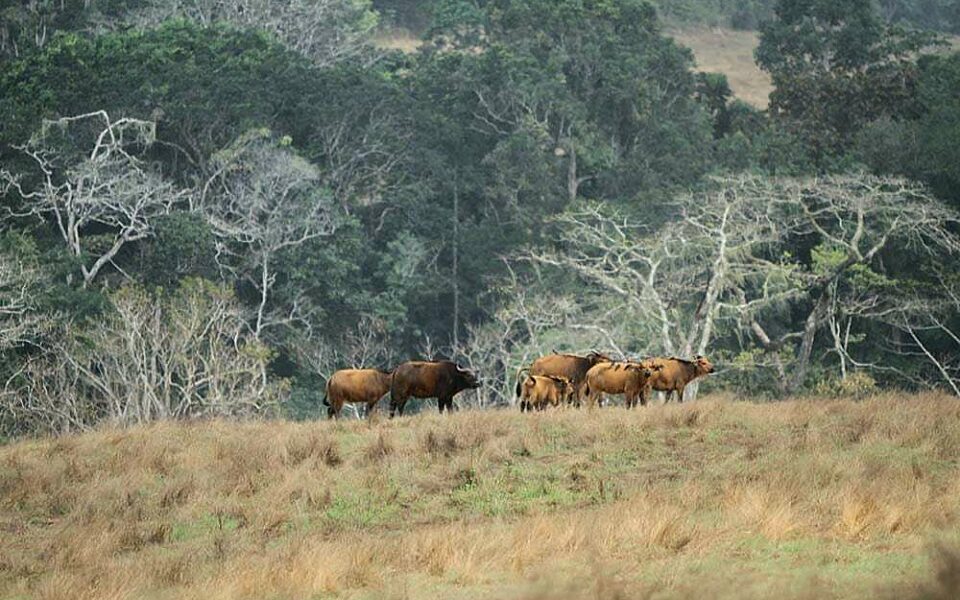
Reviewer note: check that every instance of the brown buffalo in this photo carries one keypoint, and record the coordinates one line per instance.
(628, 378)
(676, 373)
(355, 386)
(571, 366)
(419, 379)
(538, 391)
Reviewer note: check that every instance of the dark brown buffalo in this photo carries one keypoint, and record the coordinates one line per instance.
(539, 391)
(419, 379)
(675, 374)
(571, 366)
(628, 378)
(360, 386)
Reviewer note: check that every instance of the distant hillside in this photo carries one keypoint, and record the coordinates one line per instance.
(729, 51)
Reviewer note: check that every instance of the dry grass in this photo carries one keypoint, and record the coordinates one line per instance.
(398, 38)
(798, 499)
(729, 51)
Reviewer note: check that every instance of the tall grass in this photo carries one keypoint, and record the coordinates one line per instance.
(805, 498)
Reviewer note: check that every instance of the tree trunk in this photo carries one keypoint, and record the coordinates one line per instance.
(809, 336)
(573, 184)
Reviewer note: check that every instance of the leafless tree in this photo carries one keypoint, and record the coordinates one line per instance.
(261, 201)
(326, 31)
(855, 219)
(527, 324)
(722, 260)
(19, 323)
(676, 280)
(107, 186)
(184, 356)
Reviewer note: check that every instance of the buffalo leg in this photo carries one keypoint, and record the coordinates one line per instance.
(332, 412)
(396, 405)
(680, 394)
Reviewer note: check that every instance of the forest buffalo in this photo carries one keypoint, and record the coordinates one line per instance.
(355, 386)
(420, 379)
(538, 391)
(571, 366)
(676, 373)
(628, 378)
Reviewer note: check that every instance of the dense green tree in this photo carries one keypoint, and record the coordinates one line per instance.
(938, 127)
(203, 86)
(924, 147)
(836, 65)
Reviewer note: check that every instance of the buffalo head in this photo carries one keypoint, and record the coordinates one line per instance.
(704, 363)
(467, 379)
(596, 357)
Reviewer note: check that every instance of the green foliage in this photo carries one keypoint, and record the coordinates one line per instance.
(511, 112)
(203, 86)
(713, 90)
(182, 246)
(858, 384)
(923, 146)
(835, 66)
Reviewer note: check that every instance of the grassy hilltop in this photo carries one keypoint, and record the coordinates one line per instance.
(828, 498)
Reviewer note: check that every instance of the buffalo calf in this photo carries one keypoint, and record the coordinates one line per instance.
(540, 391)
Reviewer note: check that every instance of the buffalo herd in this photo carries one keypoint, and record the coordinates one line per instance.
(554, 380)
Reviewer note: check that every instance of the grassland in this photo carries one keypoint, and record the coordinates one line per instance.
(729, 51)
(808, 498)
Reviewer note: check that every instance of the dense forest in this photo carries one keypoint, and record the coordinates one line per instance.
(210, 205)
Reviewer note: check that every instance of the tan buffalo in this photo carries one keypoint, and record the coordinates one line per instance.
(628, 378)
(570, 366)
(675, 374)
(540, 391)
(356, 386)
(421, 379)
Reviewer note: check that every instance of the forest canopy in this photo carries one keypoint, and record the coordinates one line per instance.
(254, 193)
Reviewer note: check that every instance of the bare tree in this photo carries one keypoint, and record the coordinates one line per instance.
(19, 322)
(855, 219)
(677, 280)
(183, 356)
(261, 201)
(723, 260)
(527, 324)
(107, 186)
(326, 31)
